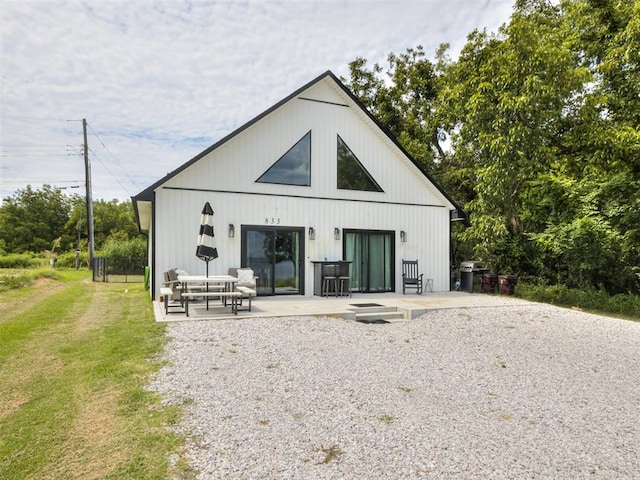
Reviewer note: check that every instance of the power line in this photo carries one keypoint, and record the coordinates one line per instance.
(40, 181)
(30, 145)
(39, 119)
(109, 171)
(115, 160)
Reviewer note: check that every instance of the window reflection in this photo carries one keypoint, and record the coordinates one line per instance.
(351, 173)
(294, 167)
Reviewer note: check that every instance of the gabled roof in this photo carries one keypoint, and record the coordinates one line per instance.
(147, 194)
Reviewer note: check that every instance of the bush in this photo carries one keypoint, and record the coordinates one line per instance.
(20, 279)
(586, 298)
(21, 260)
(625, 305)
(13, 281)
(68, 260)
(133, 248)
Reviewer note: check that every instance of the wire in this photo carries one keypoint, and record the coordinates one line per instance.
(109, 172)
(116, 161)
(41, 181)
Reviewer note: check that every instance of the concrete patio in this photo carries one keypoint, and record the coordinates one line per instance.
(391, 306)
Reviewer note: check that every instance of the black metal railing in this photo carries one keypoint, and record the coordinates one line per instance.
(119, 270)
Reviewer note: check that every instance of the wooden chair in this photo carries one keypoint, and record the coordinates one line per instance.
(410, 276)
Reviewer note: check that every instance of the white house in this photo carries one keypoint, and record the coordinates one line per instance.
(313, 178)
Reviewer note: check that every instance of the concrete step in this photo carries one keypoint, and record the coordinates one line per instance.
(380, 309)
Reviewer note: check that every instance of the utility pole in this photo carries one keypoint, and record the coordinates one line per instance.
(87, 174)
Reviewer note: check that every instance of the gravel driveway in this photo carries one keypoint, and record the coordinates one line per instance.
(528, 391)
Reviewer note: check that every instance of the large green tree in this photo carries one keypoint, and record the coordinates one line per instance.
(113, 220)
(591, 232)
(543, 118)
(406, 102)
(37, 220)
(33, 220)
(507, 98)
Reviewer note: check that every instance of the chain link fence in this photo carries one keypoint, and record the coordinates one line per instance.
(119, 270)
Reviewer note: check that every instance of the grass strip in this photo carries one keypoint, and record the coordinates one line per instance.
(625, 306)
(43, 314)
(74, 368)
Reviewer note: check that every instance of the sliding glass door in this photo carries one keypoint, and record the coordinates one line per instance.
(276, 256)
(371, 254)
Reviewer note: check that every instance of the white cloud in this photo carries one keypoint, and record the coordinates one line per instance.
(161, 81)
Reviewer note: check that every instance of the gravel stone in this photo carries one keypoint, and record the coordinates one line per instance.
(531, 391)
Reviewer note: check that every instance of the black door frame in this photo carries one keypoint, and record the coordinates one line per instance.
(244, 229)
(392, 263)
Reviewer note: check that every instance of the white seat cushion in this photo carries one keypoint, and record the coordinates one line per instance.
(245, 276)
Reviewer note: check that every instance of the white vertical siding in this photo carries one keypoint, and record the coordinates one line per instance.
(178, 220)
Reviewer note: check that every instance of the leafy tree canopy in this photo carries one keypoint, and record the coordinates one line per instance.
(31, 220)
(47, 220)
(541, 121)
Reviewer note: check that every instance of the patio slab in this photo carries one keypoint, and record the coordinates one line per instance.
(411, 305)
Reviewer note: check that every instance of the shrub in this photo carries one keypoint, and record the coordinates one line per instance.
(13, 281)
(625, 305)
(586, 298)
(21, 260)
(68, 260)
(133, 248)
(24, 278)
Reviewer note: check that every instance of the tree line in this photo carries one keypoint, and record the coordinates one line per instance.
(535, 131)
(47, 220)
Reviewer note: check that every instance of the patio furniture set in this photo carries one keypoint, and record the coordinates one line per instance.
(180, 289)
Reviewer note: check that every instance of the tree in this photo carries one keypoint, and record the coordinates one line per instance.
(113, 220)
(36, 220)
(506, 97)
(544, 122)
(599, 162)
(31, 220)
(406, 104)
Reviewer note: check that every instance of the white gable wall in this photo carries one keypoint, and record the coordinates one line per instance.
(226, 178)
(235, 165)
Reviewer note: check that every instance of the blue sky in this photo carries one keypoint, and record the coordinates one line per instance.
(160, 81)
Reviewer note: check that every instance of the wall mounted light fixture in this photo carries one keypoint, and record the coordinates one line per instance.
(403, 236)
(232, 230)
(336, 233)
(312, 233)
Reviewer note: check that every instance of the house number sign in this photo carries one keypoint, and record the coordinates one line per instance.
(272, 221)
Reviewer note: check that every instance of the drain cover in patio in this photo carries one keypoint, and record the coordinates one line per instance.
(365, 305)
(371, 320)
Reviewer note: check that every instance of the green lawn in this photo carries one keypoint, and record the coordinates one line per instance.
(74, 359)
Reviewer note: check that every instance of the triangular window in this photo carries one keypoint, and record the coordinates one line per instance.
(294, 167)
(351, 173)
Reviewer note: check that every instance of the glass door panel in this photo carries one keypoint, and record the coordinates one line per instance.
(353, 253)
(371, 254)
(276, 256)
(258, 256)
(287, 262)
(379, 265)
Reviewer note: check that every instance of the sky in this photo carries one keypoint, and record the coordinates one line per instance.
(158, 82)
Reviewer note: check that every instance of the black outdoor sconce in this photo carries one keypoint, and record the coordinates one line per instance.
(232, 230)
(403, 236)
(312, 233)
(336, 233)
